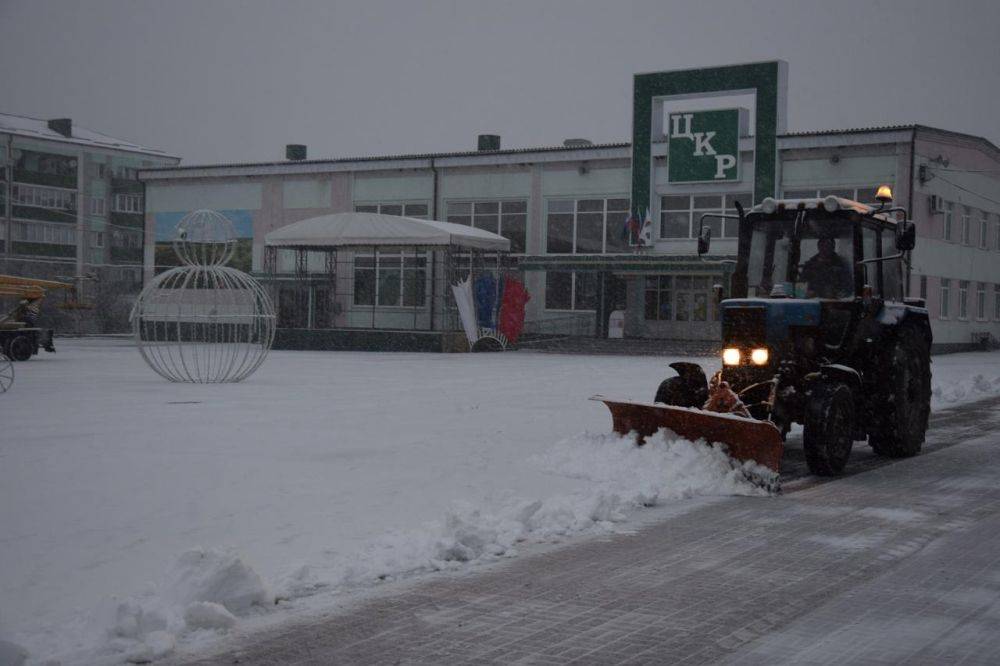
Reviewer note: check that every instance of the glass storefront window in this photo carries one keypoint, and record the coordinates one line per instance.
(680, 215)
(507, 218)
(586, 226)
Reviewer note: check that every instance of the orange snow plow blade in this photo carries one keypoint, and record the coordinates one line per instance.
(745, 438)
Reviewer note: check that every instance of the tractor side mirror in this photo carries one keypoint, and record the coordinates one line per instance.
(906, 236)
(704, 240)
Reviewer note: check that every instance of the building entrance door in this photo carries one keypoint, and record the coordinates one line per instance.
(682, 307)
(612, 297)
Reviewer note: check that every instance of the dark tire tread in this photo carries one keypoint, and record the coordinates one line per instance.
(20, 348)
(902, 424)
(827, 436)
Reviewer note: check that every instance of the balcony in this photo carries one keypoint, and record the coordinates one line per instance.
(133, 220)
(126, 255)
(125, 186)
(65, 216)
(43, 249)
(47, 179)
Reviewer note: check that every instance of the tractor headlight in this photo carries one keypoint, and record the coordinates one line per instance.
(731, 356)
(759, 356)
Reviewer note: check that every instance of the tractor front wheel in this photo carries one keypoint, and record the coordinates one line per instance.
(828, 431)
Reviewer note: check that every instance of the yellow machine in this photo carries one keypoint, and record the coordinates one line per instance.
(20, 339)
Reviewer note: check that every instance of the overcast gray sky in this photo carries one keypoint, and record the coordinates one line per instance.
(235, 81)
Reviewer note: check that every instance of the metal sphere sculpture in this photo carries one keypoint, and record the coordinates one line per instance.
(204, 322)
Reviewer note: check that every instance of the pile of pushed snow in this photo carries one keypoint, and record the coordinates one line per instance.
(977, 387)
(207, 591)
(665, 467)
(621, 477)
(204, 592)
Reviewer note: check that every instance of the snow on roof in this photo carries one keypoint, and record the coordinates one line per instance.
(374, 229)
(39, 129)
(196, 169)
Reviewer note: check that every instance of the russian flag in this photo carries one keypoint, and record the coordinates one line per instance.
(631, 228)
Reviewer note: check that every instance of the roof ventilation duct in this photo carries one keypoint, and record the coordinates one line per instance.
(489, 142)
(62, 126)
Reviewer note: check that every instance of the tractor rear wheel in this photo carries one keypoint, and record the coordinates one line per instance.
(906, 405)
(828, 432)
(20, 348)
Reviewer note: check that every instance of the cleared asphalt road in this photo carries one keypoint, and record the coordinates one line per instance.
(898, 562)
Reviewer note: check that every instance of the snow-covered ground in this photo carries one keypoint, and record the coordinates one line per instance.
(135, 513)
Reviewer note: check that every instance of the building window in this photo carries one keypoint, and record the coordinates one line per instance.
(963, 299)
(984, 232)
(945, 293)
(43, 197)
(567, 290)
(680, 214)
(981, 301)
(507, 218)
(949, 212)
(680, 297)
(405, 209)
(98, 206)
(98, 170)
(96, 239)
(126, 239)
(392, 281)
(125, 173)
(996, 235)
(38, 232)
(127, 203)
(586, 226)
(966, 226)
(996, 302)
(659, 298)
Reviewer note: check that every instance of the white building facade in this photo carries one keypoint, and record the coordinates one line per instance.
(565, 208)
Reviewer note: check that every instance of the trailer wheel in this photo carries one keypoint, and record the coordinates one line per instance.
(20, 348)
(906, 405)
(6, 374)
(828, 433)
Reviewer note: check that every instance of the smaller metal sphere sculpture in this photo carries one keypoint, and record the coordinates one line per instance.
(204, 322)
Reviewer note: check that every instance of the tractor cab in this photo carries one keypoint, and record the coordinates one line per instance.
(828, 248)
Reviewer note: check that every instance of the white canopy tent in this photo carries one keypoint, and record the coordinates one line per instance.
(381, 272)
(375, 230)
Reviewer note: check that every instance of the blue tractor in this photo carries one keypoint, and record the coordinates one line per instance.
(817, 331)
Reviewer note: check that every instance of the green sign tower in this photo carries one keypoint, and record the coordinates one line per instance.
(766, 81)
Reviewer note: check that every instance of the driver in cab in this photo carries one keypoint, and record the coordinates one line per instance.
(827, 274)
